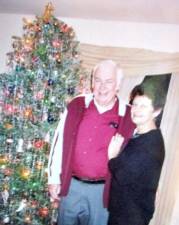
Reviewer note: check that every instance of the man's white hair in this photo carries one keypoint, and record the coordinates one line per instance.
(119, 72)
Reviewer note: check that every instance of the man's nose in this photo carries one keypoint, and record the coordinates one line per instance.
(103, 84)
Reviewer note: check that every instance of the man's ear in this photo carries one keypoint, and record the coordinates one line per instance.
(157, 112)
(92, 80)
(120, 76)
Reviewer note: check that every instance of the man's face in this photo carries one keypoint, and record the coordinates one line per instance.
(105, 84)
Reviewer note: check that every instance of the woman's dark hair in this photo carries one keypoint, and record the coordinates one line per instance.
(157, 96)
(141, 90)
(155, 87)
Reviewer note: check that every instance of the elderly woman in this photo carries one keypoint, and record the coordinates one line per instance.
(136, 167)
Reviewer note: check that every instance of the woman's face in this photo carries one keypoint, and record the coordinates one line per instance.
(142, 111)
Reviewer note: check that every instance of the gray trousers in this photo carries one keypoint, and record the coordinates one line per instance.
(83, 205)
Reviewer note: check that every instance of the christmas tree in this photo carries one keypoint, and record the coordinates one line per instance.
(43, 73)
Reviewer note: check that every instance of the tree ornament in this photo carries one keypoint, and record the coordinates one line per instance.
(56, 43)
(64, 28)
(57, 57)
(10, 109)
(27, 23)
(18, 68)
(45, 116)
(8, 126)
(34, 204)
(38, 144)
(28, 43)
(52, 99)
(39, 95)
(3, 160)
(11, 89)
(6, 219)
(5, 186)
(5, 196)
(55, 73)
(29, 145)
(46, 101)
(28, 219)
(43, 212)
(28, 113)
(39, 165)
(20, 145)
(50, 82)
(71, 90)
(47, 137)
(9, 140)
(22, 205)
(50, 118)
(48, 12)
(8, 171)
(25, 173)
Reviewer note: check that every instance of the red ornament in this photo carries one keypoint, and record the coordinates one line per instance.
(8, 171)
(65, 28)
(10, 109)
(38, 144)
(56, 43)
(39, 95)
(34, 203)
(43, 212)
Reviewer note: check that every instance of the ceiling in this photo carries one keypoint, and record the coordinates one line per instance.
(148, 11)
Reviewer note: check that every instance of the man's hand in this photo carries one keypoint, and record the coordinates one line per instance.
(54, 190)
(115, 146)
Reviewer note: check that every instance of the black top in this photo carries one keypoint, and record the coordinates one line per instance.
(135, 176)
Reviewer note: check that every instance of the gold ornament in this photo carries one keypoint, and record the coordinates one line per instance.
(28, 219)
(3, 159)
(27, 23)
(25, 173)
(5, 187)
(28, 113)
(39, 165)
(28, 43)
(8, 126)
(57, 57)
(48, 12)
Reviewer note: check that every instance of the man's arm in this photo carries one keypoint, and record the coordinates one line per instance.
(55, 159)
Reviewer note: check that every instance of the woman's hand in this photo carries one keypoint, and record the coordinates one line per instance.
(115, 146)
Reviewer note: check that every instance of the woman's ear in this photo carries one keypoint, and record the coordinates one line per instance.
(157, 112)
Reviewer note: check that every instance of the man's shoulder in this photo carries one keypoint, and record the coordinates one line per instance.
(124, 107)
(83, 99)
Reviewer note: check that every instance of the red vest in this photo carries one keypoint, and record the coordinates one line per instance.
(75, 114)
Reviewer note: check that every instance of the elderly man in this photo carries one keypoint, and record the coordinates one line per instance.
(78, 170)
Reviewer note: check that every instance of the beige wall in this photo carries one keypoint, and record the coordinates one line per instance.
(157, 37)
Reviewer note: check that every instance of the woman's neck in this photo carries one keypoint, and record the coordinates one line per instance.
(144, 128)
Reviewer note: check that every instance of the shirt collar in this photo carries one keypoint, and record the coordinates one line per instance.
(102, 109)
